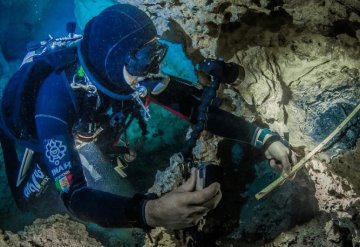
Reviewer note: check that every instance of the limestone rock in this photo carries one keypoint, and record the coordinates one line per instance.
(332, 232)
(166, 181)
(171, 177)
(202, 19)
(206, 148)
(55, 231)
(2, 241)
(309, 85)
(162, 237)
(331, 189)
(313, 233)
(322, 231)
(347, 167)
(337, 224)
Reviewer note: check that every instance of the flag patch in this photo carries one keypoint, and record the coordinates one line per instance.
(63, 182)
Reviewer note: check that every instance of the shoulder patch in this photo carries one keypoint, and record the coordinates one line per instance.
(55, 151)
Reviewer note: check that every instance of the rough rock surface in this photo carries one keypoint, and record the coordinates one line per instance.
(56, 231)
(301, 57)
(347, 166)
(310, 79)
(320, 231)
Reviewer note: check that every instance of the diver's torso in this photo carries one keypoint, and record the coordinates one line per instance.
(97, 128)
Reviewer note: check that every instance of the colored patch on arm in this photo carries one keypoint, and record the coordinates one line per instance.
(64, 182)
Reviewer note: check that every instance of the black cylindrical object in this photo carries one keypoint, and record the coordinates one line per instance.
(225, 72)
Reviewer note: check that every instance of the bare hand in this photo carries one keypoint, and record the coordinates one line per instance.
(182, 207)
(278, 152)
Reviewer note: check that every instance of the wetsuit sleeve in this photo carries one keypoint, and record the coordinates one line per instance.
(183, 100)
(54, 117)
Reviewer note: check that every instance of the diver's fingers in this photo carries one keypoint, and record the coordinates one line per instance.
(285, 164)
(276, 166)
(268, 155)
(272, 163)
(189, 185)
(294, 157)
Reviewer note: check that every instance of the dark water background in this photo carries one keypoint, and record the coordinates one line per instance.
(20, 23)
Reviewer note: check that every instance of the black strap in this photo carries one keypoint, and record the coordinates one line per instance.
(273, 138)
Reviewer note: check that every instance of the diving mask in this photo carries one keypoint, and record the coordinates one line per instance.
(146, 60)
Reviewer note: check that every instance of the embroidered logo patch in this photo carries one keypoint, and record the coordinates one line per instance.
(61, 168)
(63, 182)
(55, 151)
(36, 183)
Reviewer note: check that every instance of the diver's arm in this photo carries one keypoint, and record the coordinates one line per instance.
(227, 125)
(184, 100)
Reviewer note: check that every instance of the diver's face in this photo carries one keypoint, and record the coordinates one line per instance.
(160, 79)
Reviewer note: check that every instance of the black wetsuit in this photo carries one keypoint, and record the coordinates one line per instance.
(59, 164)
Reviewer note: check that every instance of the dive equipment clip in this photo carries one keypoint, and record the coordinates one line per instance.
(87, 85)
(139, 93)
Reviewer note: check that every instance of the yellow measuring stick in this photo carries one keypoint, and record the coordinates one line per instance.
(303, 161)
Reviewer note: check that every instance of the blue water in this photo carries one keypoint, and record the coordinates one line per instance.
(20, 23)
(54, 20)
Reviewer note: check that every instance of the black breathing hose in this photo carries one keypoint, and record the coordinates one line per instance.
(220, 72)
(207, 97)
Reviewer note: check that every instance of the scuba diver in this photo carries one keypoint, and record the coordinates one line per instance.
(85, 88)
